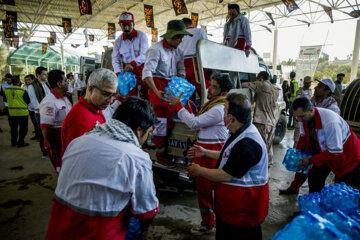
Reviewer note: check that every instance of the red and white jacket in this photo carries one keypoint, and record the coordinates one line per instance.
(244, 202)
(339, 146)
(98, 190)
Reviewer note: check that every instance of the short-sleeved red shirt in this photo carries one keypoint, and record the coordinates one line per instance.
(82, 118)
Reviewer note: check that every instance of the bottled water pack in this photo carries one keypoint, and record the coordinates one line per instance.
(291, 160)
(126, 82)
(335, 197)
(310, 226)
(177, 85)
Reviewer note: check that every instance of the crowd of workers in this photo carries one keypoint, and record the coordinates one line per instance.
(95, 146)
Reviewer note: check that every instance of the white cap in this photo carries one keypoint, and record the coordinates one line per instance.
(328, 82)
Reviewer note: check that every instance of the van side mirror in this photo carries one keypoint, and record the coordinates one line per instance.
(274, 79)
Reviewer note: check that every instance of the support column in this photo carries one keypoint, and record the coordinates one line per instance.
(355, 56)
(10, 70)
(62, 58)
(27, 67)
(275, 51)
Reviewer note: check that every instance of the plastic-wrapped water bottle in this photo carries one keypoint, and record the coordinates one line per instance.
(179, 85)
(344, 223)
(126, 82)
(340, 197)
(291, 160)
(310, 226)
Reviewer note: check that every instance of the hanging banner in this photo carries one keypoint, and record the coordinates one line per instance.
(44, 48)
(179, 7)
(50, 41)
(303, 22)
(355, 13)
(195, 19)
(290, 5)
(53, 37)
(204, 28)
(11, 42)
(328, 11)
(149, 16)
(67, 25)
(91, 38)
(16, 41)
(266, 27)
(106, 48)
(307, 61)
(154, 35)
(111, 31)
(11, 18)
(85, 7)
(271, 18)
(8, 29)
(8, 2)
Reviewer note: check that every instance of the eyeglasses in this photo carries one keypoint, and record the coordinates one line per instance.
(106, 94)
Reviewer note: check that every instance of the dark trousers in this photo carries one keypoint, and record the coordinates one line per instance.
(228, 232)
(291, 116)
(69, 96)
(41, 136)
(351, 178)
(317, 177)
(79, 94)
(14, 123)
(33, 120)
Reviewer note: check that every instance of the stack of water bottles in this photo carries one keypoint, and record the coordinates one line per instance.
(179, 85)
(333, 214)
(126, 82)
(291, 160)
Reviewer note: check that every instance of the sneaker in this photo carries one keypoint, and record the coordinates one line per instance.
(46, 157)
(201, 230)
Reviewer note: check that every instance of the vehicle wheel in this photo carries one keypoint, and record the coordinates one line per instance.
(280, 129)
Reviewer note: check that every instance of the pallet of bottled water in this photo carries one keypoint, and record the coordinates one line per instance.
(331, 214)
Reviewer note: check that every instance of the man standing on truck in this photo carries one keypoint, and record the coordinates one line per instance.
(188, 45)
(237, 32)
(241, 174)
(266, 95)
(129, 50)
(164, 60)
(212, 135)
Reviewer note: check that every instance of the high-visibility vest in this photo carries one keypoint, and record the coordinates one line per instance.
(16, 104)
(296, 88)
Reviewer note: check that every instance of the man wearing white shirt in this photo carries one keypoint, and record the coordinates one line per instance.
(164, 60)
(69, 93)
(212, 135)
(80, 85)
(53, 110)
(28, 81)
(188, 45)
(129, 50)
(5, 85)
(37, 91)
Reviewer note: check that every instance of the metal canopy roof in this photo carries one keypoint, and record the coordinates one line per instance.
(30, 54)
(51, 12)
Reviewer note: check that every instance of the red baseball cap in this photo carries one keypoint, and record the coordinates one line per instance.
(126, 17)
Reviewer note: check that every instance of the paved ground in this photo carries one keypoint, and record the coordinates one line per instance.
(27, 183)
